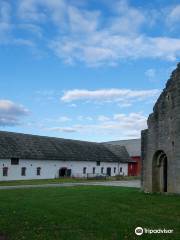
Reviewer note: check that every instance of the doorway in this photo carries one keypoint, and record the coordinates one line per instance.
(62, 172)
(109, 171)
(160, 172)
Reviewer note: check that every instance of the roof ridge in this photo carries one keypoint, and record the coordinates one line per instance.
(49, 137)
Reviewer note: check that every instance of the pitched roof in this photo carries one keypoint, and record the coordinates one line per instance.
(133, 146)
(25, 146)
(118, 151)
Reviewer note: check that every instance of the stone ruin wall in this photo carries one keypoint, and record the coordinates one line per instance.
(163, 133)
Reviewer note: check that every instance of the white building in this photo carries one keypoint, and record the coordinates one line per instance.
(24, 156)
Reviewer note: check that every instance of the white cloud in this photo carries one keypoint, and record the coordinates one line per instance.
(103, 118)
(80, 118)
(125, 104)
(21, 41)
(43, 10)
(120, 125)
(173, 17)
(89, 118)
(106, 48)
(5, 24)
(119, 38)
(73, 105)
(84, 35)
(64, 119)
(87, 36)
(60, 12)
(32, 28)
(125, 16)
(84, 118)
(164, 47)
(45, 94)
(128, 120)
(11, 113)
(57, 120)
(124, 96)
(82, 21)
(7, 27)
(63, 129)
(150, 73)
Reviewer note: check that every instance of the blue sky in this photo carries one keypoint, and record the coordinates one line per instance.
(85, 69)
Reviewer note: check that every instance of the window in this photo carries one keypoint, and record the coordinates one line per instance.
(94, 170)
(23, 171)
(114, 170)
(120, 169)
(14, 161)
(68, 174)
(98, 163)
(38, 171)
(102, 170)
(5, 171)
(84, 170)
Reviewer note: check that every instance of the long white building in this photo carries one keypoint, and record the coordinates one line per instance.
(24, 156)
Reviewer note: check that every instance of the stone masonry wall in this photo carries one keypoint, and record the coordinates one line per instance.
(163, 134)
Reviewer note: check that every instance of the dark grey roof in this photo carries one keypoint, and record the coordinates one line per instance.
(118, 151)
(25, 146)
(133, 146)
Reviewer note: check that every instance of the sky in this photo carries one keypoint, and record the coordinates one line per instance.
(85, 69)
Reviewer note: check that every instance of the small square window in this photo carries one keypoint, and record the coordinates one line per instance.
(23, 171)
(98, 163)
(14, 161)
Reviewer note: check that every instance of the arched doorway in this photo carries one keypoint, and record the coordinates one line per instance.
(62, 172)
(159, 172)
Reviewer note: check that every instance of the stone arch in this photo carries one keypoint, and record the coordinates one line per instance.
(159, 172)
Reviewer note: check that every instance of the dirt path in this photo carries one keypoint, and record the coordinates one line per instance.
(132, 183)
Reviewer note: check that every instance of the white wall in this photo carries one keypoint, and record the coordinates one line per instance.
(50, 168)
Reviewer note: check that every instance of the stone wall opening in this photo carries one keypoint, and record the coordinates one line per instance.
(159, 172)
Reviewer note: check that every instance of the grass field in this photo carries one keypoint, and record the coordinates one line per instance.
(86, 213)
(41, 181)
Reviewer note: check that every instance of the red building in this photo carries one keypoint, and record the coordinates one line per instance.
(134, 168)
(133, 147)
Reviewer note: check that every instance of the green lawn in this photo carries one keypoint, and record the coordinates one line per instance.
(40, 181)
(86, 213)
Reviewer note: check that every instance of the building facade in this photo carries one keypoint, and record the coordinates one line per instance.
(133, 147)
(161, 141)
(24, 156)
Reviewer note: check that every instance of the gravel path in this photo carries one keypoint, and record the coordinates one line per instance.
(132, 183)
